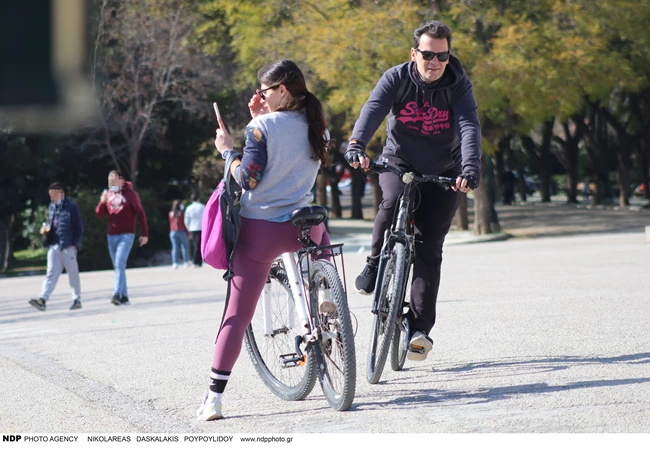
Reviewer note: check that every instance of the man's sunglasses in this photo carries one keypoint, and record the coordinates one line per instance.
(261, 92)
(428, 55)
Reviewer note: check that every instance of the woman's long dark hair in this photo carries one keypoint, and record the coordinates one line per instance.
(287, 73)
(176, 208)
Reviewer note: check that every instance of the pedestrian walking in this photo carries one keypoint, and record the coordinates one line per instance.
(178, 235)
(123, 206)
(193, 222)
(63, 231)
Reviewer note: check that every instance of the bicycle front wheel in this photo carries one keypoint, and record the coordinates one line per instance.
(390, 299)
(400, 344)
(271, 334)
(337, 365)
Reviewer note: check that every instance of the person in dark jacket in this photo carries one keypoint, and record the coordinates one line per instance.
(63, 231)
(123, 206)
(432, 128)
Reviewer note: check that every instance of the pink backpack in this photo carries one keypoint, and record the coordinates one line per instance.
(221, 223)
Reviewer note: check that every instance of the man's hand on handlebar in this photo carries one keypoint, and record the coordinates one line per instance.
(462, 184)
(355, 155)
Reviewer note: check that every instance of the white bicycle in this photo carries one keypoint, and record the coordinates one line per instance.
(302, 329)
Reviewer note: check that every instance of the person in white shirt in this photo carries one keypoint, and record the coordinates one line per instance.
(193, 219)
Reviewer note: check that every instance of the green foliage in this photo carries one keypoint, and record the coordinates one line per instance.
(38, 254)
(33, 220)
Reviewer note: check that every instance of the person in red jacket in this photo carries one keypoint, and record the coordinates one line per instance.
(178, 234)
(123, 206)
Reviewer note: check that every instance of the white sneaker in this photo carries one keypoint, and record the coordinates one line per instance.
(209, 410)
(175, 266)
(419, 347)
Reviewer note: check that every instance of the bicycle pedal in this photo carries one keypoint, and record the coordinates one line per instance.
(293, 360)
(416, 349)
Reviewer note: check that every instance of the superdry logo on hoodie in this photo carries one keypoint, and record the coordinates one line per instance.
(426, 119)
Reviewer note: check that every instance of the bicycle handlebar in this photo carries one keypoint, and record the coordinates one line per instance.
(407, 177)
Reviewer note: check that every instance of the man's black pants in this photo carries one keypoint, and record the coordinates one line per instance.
(434, 209)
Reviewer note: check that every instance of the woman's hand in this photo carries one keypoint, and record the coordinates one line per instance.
(223, 141)
(256, 106)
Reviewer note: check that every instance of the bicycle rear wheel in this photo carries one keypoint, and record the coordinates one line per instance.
(390, 298)
(337, 365)
(272, 335)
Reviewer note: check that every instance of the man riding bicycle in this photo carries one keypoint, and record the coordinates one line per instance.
(432, 128)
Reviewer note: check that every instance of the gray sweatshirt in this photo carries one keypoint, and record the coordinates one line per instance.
(277, 171)
(435, 127)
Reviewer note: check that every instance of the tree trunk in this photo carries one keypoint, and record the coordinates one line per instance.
(462, 218)
(482, 207)
(623, 157)
(569, 159)
(545, 158)
(488, 178)
(590, 132)
(5, 242)
(643, 156)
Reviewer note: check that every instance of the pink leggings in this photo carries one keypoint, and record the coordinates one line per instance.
(260, 243)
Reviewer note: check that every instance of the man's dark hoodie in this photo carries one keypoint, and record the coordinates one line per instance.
(423, 125)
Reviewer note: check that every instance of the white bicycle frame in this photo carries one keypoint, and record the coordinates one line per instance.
(297, 308)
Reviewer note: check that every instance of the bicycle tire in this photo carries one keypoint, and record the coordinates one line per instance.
(336, 356)
(400, 344)
(293, 383)
(384, 322)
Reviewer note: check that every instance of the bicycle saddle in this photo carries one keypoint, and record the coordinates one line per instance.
(309, 216)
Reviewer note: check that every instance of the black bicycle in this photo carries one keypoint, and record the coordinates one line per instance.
(390, 329)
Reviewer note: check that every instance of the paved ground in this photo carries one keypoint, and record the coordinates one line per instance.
(545, 335)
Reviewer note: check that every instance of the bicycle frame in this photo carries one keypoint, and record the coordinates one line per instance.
(401, 230)
(399, 233)
(299, 310)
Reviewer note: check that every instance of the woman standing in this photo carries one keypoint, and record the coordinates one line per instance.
(178, 234)
(286, 142)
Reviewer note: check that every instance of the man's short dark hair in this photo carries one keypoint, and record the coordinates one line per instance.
(194, 197)
(56, 186)
(116, 172)
(435, 29)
